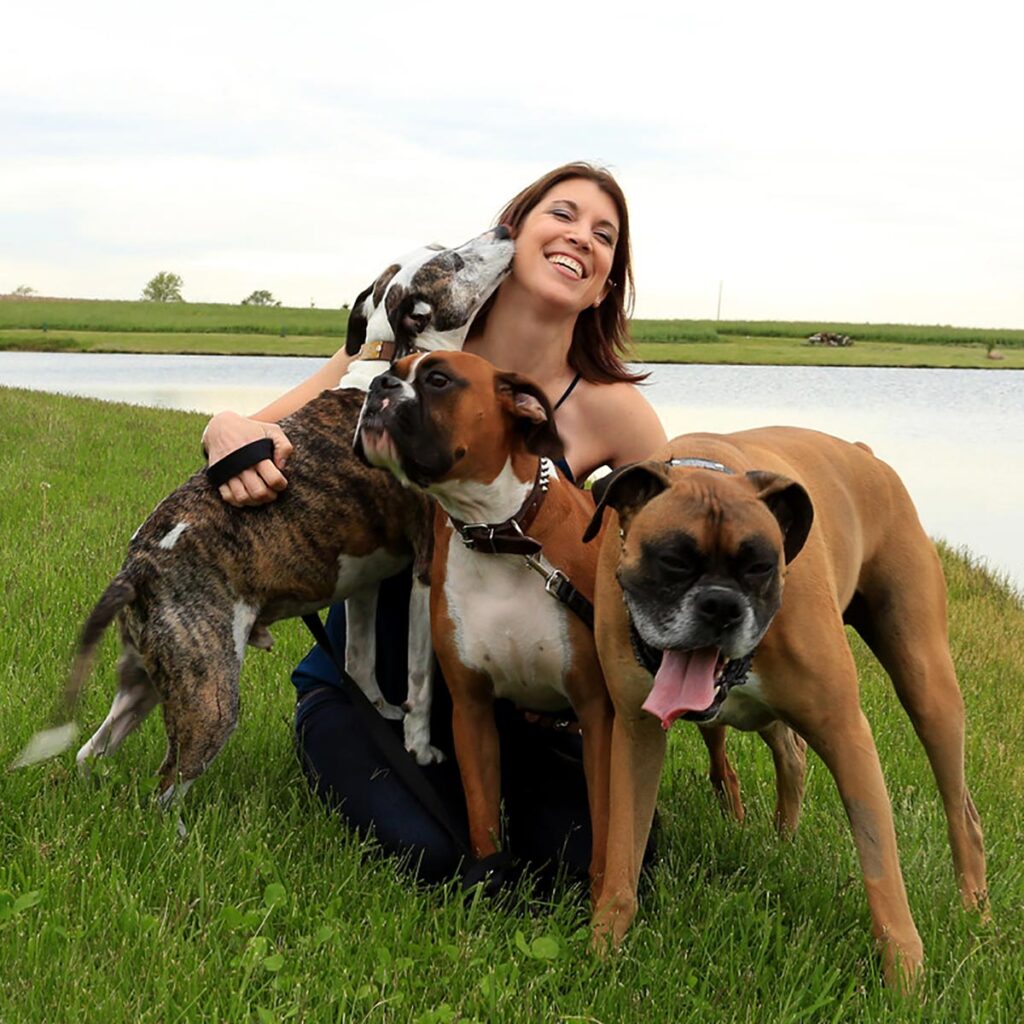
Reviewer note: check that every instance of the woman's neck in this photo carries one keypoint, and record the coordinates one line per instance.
(520, 337)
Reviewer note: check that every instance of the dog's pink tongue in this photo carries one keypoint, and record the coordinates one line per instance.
(685, 682)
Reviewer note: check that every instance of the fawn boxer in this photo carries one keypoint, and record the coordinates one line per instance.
(690, 584)
(202, 579)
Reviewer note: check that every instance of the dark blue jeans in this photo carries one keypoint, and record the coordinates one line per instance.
(544, 790)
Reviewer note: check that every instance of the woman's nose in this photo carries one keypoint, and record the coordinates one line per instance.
(579, 237)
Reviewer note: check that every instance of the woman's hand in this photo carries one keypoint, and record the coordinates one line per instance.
(259, 484)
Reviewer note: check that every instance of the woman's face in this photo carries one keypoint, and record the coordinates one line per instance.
(566, 243)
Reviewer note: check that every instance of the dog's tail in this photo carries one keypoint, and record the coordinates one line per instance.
(61, 734)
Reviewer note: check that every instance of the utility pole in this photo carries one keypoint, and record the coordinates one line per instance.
(718, 313)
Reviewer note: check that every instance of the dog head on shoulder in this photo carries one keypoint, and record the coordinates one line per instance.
(703, 550)
(451, 416)
(428, 299)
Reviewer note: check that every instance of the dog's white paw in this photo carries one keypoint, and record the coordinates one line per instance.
(46, 744)
(390, 711)
(426, 754)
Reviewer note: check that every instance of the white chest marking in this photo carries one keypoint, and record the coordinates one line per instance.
(361, 371)
(476, 502)
(172, 536)
(508, 627)
(355, 572)
(745, 707)
(245, 617)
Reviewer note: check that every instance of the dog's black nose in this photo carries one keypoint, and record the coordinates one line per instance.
(720, 607)
(384, 382)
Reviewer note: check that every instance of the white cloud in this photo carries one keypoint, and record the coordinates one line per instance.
(843, 162)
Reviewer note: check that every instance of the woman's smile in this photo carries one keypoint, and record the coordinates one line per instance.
(574, 230)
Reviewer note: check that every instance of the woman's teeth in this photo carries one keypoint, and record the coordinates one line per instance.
(568, 262)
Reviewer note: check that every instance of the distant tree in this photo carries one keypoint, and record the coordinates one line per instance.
(165, 287)
(261, 298)
(23, 291)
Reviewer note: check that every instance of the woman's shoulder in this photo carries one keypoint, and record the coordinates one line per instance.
(621, 414)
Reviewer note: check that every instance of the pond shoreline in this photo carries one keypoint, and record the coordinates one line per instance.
(727, 351)
(954, 437)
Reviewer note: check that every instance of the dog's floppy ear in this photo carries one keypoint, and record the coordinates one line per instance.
(363, 308)
(355, 337)
(410, 319)
(626, 490)
(534, 417)
(791, 506)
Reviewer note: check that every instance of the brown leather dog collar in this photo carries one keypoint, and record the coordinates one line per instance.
(509, 537)
(385, 350)
(378, 350)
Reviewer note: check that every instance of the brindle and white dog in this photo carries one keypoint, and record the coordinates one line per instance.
(202, 579)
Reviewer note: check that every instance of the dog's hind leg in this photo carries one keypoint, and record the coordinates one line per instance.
(200, 713)
(903, 621)
(722, 774)
(361, 648)
(136, 697)
(789, 753)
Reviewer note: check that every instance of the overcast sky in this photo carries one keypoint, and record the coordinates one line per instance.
(860, 161)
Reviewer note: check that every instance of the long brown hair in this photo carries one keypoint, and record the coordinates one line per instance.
(600, 337)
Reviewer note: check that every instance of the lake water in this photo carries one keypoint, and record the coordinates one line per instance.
(955, 436)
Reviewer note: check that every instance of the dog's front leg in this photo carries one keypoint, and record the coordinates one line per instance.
(596, 718)
(421, 678)
(361, 648)
(638, 752)
(478, 753)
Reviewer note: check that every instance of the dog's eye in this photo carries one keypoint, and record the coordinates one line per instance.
(758, 569)
(676, 564)
(436, 379)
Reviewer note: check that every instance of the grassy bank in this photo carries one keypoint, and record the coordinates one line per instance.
(75, 323)
(735, 350)
(271, 911)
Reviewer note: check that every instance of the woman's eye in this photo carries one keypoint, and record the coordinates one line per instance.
(605, 237)
(436, 379)
(561, 214)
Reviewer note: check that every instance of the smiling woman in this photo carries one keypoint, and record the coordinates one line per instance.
(559, 318)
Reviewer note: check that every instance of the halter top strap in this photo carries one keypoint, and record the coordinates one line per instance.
(568, 391)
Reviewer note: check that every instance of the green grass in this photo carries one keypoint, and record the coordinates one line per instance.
(729, 350)
(271, 910)
(746, 351)
(89, 315)
(174, 317)
(169, 342)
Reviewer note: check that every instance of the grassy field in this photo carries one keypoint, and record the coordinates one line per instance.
(769, 351)
(270, 911)
(103, 326)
